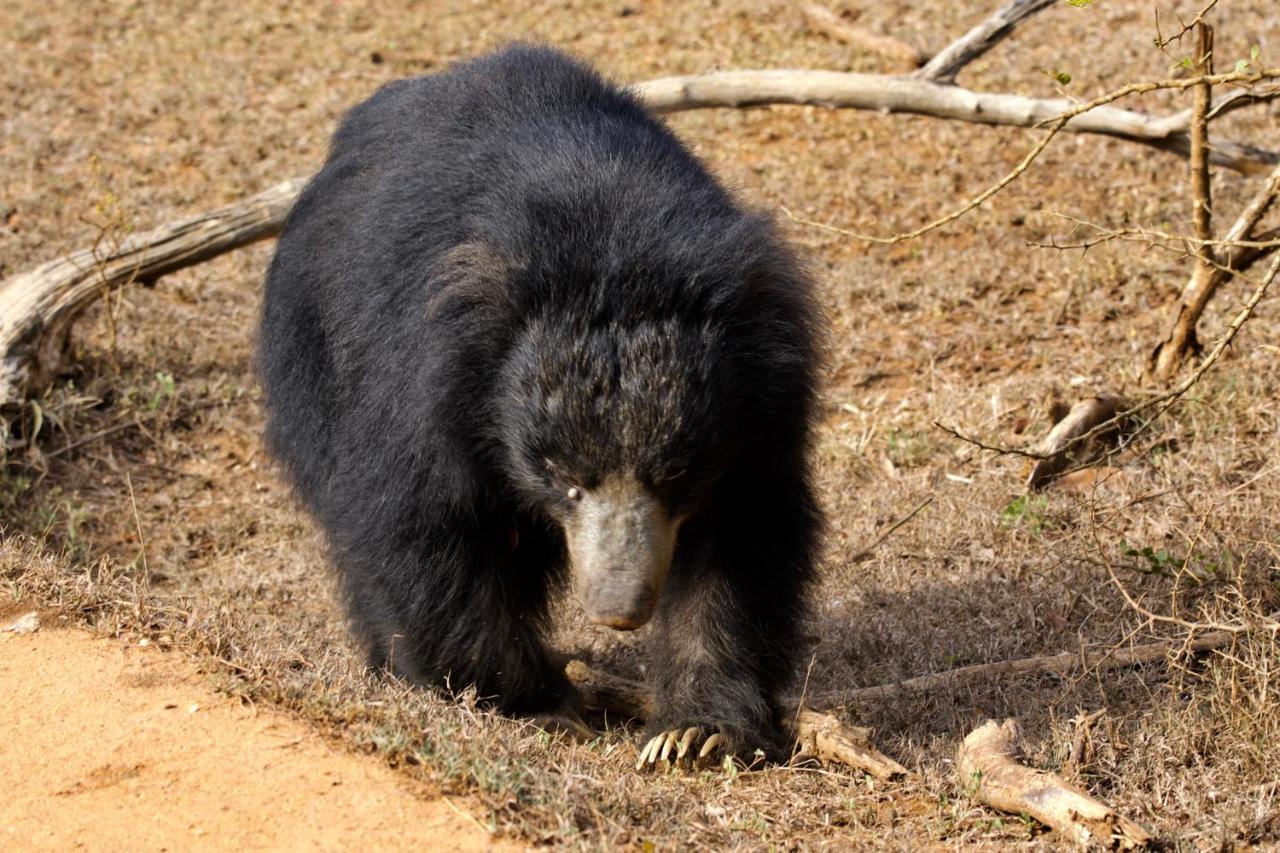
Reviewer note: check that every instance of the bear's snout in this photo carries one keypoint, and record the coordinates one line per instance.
(621, 540)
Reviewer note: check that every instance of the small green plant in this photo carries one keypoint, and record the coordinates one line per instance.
(166, 387)
(1026, 511)
(1151, 561)
(1243, 65)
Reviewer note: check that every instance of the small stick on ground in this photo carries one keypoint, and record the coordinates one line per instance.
(988, 769)
(825, 737)
(830, 24)
(868, 552)
(816, 734)
(1059, 664)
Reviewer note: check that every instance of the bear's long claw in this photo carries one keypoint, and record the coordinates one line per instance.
(671, 748)
(690, 735)
(709, 745)
(650, 752)
(668, 744)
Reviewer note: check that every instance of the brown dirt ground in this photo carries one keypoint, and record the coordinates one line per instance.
(108, 746)
(145, 507)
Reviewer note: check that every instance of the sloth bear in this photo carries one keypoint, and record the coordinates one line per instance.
(515, 335)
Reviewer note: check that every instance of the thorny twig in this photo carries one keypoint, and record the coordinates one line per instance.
(1162, 42)
(1053, 125)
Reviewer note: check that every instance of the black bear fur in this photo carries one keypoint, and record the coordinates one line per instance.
(509, 279)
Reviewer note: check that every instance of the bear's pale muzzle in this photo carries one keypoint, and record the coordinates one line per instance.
(621, 541)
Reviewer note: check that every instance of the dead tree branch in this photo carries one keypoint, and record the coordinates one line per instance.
(1063, 663)
(1169, 354)
(1202, 94)
(38, 307)
(944, 67)
(988, 769)
(1162, 42)
(889, 94)
(830, 24)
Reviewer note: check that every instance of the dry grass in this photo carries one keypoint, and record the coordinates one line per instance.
(122, 115)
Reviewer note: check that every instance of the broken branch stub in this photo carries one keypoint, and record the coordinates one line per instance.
(944, 67)
(1066, 444)
(824, 736)
(988, 770)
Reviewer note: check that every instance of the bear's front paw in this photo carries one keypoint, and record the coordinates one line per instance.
(695, 746)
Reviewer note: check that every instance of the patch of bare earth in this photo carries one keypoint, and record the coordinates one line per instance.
(145, 507)
(108, 746)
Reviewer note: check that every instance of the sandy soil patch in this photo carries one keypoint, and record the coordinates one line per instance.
(109, 746)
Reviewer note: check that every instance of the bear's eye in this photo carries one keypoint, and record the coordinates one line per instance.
(574, 493)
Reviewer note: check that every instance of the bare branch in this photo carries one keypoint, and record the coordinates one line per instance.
(888, 94)
(1201, 198)
(1169, 354)
(944, 67)
(1162, 42)
(869, 551)
(1239, 100)
(1064, 663)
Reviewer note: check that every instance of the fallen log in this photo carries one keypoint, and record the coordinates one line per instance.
(988, 770)
(38, 307)
(890, 94)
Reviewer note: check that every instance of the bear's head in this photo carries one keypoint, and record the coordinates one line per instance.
(617, 431)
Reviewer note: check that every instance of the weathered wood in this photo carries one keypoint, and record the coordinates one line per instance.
(1063, 446)
(987, 769)
(38, 307)
(944, 67)
(1168, 356)
(889, 94)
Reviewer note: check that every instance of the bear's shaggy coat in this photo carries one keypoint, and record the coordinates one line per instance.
(509, 284)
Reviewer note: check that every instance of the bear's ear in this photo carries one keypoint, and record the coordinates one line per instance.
(474, 276)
